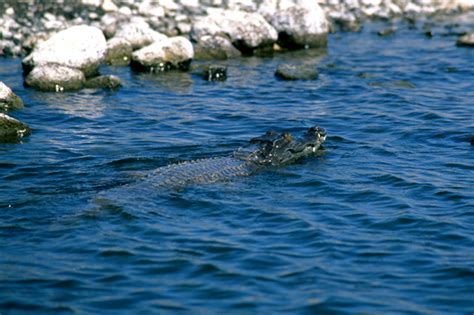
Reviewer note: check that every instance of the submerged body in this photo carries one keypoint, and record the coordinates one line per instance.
(270, 149)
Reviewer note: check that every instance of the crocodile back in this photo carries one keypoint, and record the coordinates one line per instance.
(198, 172)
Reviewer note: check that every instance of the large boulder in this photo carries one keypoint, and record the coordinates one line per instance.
(82, 47)
(247, 31)
(119, 52)
(215, 47)
(12, 129)
(139, 34)
(8, 99)
(301, 24)
(55, 78)
(170, 54)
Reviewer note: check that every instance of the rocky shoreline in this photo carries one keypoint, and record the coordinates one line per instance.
(23, 24)
(63, 44)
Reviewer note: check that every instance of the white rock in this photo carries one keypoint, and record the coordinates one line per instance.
(139, 34)
(169, 5)
(82, 47)
(109, 6)
(54, 77)
(95, 3)
(303, 25)
(125, 10)
(10, 12)
(190, 3)
(247, 31)
(171, 53)
(151, 10)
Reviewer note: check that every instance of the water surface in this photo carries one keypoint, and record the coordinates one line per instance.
(381, 221)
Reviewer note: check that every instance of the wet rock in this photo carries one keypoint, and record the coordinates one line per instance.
(119, 52)
(466, 40)
(296, 72)
(82, 47)
(139, 34)
(12, 129)
(215, 47)
(386, 31)
(215, 73)
(55, 78)
(110, 82)
(472, 139)
(248, 32)
(400, 84)
(170, 54)
(8, 99)
(298, 25)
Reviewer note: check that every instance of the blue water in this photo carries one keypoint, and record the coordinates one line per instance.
(381, 221)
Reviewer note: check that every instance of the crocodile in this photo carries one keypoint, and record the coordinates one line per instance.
(269, 150)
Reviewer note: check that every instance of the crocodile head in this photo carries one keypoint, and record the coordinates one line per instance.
(274, 148)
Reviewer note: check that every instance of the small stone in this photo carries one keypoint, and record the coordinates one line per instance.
(8, 99)
(12, 129)
(110, 82)
(10, 12)
(55, 78)
(215, 73)
(466, 40)
(125, 10)
(293, 72)
(109, 6)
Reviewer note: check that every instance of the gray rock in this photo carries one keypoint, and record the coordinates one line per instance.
(293, 72)
(110, 22)
(466, 40)
(56, 78)
(82, 47)
(215, 47)
(247, 31)
(119, 52)
(12, 129)
(172, 53)
(139, 34)
(110, 82)
(8, 99)
(298, 25)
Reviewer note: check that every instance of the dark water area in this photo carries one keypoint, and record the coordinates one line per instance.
(381, 221)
